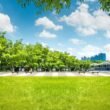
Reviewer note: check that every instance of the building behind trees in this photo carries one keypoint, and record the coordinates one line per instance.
(99, 57)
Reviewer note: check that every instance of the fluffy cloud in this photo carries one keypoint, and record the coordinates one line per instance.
(86, 31)
(48, 24)
(55, 49)
(107, 50)
(107, 47)
(47, 35)
(5, 23)
(107, 34)
(75, 41)
(88, 23)
(44, 44)
(72, 51)
(90, 50)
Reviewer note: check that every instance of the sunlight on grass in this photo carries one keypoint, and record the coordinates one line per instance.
(31, 93)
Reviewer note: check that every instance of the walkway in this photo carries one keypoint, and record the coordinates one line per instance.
(53, 74)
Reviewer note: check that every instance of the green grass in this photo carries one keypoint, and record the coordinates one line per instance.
(47, 93)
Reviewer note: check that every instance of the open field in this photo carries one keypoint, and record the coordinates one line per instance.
(54, 93)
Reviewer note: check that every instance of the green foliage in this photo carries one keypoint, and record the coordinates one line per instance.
(99, 61)
(57, 5)
(105, 5)
(17, 54)
(46, 4)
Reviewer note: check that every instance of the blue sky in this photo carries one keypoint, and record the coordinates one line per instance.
(82, 30)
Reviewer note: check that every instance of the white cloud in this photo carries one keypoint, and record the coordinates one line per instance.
(5, 23)
(78, 18)
(44, 44)
(107, 47)
(86, 31)
(107, 50)
(75, 41)
(51, 49)
(47, 35)
(48, 24)
(88, 23)
(72, 51)
(55, 49)
(90, 50)
(107, 34)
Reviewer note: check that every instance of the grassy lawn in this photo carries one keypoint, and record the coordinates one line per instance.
(47, 93)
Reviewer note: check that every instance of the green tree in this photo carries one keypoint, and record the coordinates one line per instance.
(17, 54)
(58, 4)
(105, 5)
(46, 4)
(84, 65)
(3, 48)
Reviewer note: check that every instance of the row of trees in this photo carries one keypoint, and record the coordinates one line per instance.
(17, 54)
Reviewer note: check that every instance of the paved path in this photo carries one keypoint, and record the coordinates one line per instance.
(53, 74)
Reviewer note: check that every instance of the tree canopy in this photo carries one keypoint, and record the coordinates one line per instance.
(105, 5)
(59, 4)
(35, 56)
(47, 4)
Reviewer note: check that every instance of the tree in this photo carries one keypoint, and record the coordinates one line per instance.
(58, 4)
(3, 48)
(16, 54)
(46, 4)
(84, 66)
(105, 5)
